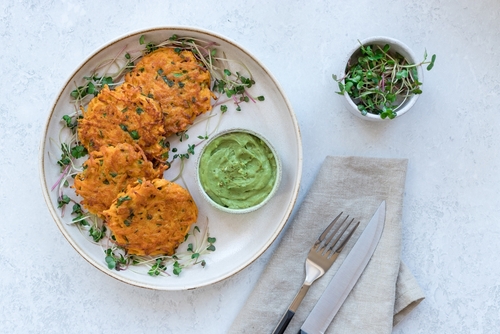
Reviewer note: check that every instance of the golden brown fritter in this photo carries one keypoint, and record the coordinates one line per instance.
(107, 172)
(124, 115)
(178, 82)
(151, 217)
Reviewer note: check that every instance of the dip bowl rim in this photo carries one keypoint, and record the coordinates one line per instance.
(276, 183)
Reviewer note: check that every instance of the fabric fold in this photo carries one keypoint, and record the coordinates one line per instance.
(385, 292)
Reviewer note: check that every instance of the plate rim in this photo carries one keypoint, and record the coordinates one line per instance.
(286, 214)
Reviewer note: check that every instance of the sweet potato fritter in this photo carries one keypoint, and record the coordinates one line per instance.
(124, 115)
(151, 217)
(107, 172)
(176, 80)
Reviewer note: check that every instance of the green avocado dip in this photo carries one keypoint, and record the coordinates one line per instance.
(237, 170)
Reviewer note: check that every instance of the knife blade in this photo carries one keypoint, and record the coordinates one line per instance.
(346, 276)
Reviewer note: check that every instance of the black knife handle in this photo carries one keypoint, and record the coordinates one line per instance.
(280, 329)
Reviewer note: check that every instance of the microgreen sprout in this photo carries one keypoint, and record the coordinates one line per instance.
(211, 241)
(177, 268)
(69, 154)
(381, 80)
(157, 268)
(182, 135)
(71, 122)
(81, 217)
(63, 200)
(191, 149)
(115, 260)
(93, 86)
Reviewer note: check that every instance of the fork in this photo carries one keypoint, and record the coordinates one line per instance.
(320, 258)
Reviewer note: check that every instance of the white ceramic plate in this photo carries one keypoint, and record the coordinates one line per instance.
(241, 239)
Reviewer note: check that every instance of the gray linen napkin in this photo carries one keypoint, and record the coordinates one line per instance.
(385, 292)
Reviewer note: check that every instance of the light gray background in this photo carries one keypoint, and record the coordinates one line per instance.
(451, 209)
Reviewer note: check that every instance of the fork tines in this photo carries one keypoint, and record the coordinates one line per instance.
(339, 232)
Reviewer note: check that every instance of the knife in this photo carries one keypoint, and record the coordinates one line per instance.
(346, 277)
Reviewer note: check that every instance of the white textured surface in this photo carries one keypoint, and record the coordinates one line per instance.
(451, 209)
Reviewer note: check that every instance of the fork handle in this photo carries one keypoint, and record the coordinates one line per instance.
(287, 317)
(285, 320)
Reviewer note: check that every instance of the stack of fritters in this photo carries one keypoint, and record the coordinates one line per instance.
(126, 132)
(152, 217)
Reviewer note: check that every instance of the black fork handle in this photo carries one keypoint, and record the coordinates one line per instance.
(283, 324)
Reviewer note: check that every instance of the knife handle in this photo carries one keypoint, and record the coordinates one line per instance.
(285, 320)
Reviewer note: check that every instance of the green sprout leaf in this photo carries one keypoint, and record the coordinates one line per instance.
(78, 151)
(70, 122)
(97, 233)
(177, 268)
(431, 65)
(63, 200)
(157, 268)
(134, 134)
(122, 199)
(211, 241)
(191, 149)
(114, 261)
(110, 260)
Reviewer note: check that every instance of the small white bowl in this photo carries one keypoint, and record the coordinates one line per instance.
(272, 191)
(397, 46)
